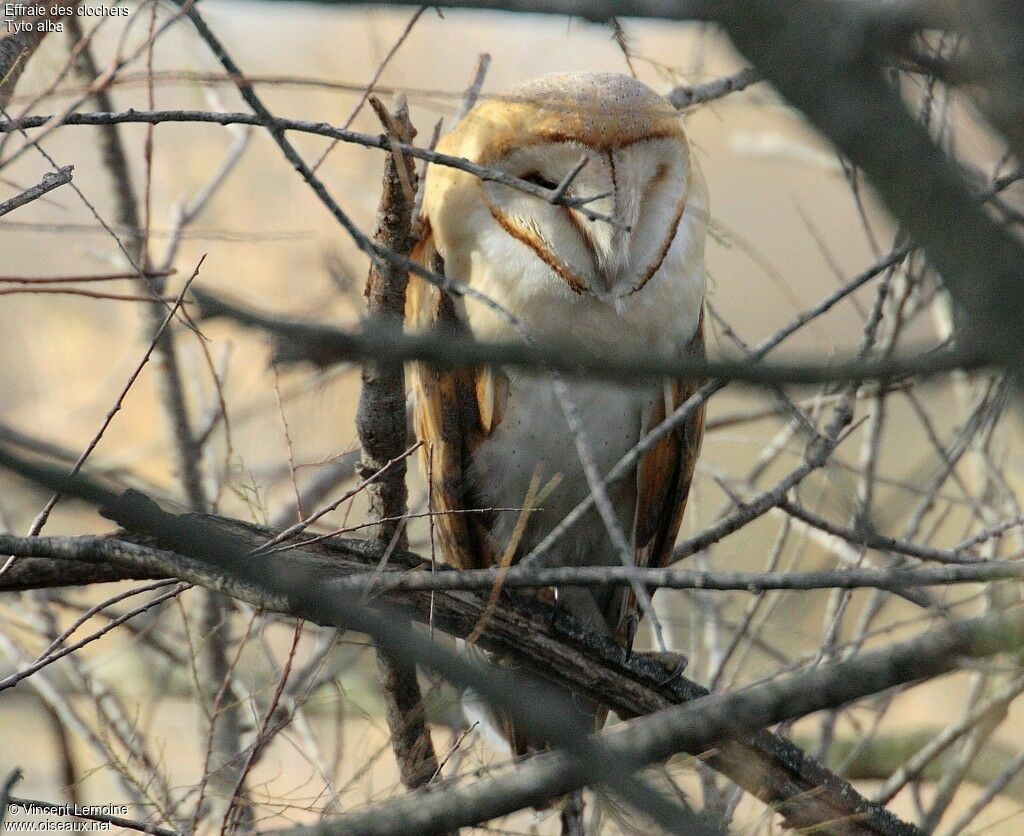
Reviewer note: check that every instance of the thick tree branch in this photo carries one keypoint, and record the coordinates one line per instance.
(703, 722)
(18, 47)
(380, 423)
(528, 632)
(72, 561)
(323, 344)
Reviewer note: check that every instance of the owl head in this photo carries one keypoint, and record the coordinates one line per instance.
(638, 163)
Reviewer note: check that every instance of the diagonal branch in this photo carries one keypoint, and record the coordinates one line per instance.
(19, 46)
(527, 631)
(796, 46)
(702, 723)
(51, 180)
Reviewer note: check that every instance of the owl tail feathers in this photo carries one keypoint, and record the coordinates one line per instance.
(518, 740)
(499, 731)
(570, 807)
(496, 727)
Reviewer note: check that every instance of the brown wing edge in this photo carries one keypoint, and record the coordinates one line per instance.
(447, 419)
(665, 474)
(453, 411)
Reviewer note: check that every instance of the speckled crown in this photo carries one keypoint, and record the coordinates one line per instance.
(602, 110)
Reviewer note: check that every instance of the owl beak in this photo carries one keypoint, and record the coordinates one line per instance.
(613, 268)
(609, 247)
(611, 278)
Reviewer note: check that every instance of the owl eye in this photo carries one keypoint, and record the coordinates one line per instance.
(539, 179)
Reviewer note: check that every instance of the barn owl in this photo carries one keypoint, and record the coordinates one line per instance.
(633, 286)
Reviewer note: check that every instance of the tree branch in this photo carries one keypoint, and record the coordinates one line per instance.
(683, 97)
(381, 426)
(18, 47)
(51, 180)
(702, 723)
(280, 125)
(529, 632)
(324, 345)
(71, 561)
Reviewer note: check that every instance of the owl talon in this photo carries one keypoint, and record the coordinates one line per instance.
(549, 595)
(671, 661)
(572, 815)
(632, 624)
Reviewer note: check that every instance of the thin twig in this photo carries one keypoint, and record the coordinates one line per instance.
(683, 97)
(302, 525)
(34, 806)
(15, 678)
(41, 518)
(469, 98)
(278, 126)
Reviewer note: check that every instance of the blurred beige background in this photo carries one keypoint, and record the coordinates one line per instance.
(786, 230)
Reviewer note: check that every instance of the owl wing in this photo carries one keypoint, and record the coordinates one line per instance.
(665, 473)
(454, 411)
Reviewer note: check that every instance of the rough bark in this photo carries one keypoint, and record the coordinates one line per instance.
(381, 424)
(525, 630)
(16, 48)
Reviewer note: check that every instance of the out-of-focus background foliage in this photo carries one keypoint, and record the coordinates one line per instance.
(786, 230)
